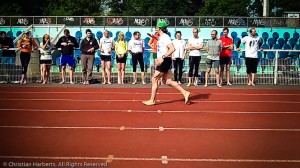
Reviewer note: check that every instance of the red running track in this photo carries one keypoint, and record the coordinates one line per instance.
(220, 128)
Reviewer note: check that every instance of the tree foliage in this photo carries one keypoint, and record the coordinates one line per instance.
(225, 8)
(154, 8)
(74, 8)
(144, 7)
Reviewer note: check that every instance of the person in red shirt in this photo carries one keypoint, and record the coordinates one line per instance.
(226, 56)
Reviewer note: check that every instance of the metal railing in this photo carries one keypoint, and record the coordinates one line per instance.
(275, 71)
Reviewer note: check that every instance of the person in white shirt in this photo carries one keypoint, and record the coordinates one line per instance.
(178, 56)
(46, 49)
(136, 48)
(252, 45)
(106, 46)
(195, 44)
(213, 49)
(165, 48)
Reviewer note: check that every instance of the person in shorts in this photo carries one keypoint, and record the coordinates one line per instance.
(106, 47)
(213, 49)
(67, 43)
(46, 48)
(164, 60)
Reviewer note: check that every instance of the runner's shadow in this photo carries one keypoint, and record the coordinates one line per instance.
(191, 99)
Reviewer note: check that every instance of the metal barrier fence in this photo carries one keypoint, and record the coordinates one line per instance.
(283, 69)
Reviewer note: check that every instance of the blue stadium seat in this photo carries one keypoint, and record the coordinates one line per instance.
(97, 61)
(259, 54)
(221, 34)
(57, 61)
(98, 53)
(281, 42)
(265, 36)
(282, 55)
(235, 54)
(117, 33)
(78, 35)
(271, 55)
(296, 36)
(146, 57)
(146, 54)
(99, 35)
(93, 35)
(116, 38)
(110, 34)
(276, 47)
(292, 42)
(286, 36)
(244, 34)
(262, 61)
(287, 47)
(169, 33)
(265, 46)
(233, 35)
(297, 46)
(128, 36)
(77, 53)
(275, 36)
(18, 33)
(10, 34)
(243, 54)
(236, 40)
(271, 42)
(146, 40)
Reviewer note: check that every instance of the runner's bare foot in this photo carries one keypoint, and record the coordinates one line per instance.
(186, 97)
(148, 103)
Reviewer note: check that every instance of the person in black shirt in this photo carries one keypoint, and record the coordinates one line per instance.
(6, 43)
(67, 44)
(88, 47)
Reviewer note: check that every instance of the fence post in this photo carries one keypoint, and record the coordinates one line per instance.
(276, 68)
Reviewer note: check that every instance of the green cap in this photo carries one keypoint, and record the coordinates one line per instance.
(161, 24)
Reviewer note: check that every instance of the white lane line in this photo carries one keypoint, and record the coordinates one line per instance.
(147, 93)
(154, 159)
(155, 111)
(127, 100)
(153, 128)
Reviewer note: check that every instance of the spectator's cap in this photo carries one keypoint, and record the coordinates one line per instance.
(26, 32)
(161, 24)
